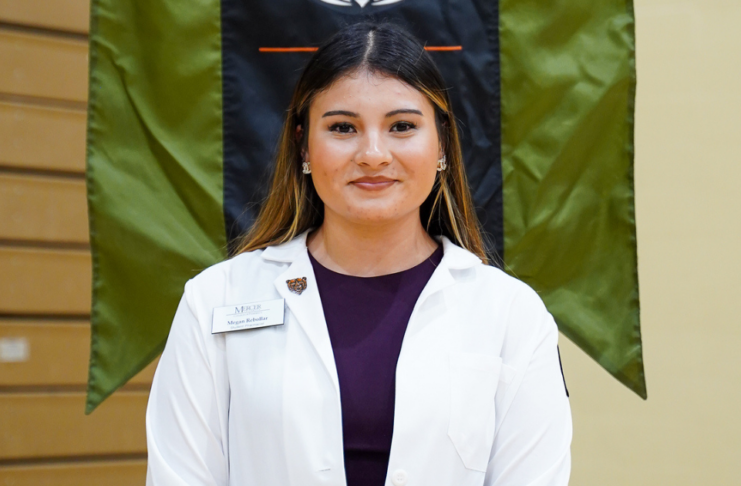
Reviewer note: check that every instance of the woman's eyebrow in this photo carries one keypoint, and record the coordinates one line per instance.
(389, 114)
(340, 112)
(404, 110)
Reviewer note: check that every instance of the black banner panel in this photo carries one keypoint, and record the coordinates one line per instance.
(261, 66)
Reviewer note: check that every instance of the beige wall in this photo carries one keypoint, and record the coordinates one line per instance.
(688, 191)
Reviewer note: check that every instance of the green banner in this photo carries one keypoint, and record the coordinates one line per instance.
(156, 157)
(568, 94)
(153, 173)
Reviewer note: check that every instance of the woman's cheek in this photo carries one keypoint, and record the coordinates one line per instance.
(329, 184)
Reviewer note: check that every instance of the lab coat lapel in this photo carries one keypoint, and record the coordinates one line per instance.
(306, 307)
(440, 279)
(454, 258)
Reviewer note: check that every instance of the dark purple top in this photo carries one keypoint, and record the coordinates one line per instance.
(366, 318)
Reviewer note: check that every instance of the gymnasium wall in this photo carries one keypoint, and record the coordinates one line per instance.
(688, 168)
(45, 438)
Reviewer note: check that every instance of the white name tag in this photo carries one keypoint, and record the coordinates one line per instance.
(248, 316)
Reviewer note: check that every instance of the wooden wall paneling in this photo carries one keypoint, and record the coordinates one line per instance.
(36, 281)
(43, 281)
(45, 353)
(43, 66)
(49, 353)
(39, 137)
(108, 473)
(55, 425)
(38, 208)
(65, 15)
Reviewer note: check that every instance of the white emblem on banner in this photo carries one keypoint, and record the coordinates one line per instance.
(362, 3)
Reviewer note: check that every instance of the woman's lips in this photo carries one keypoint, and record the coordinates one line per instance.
(373, 183)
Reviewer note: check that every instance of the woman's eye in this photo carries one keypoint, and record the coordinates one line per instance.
(342, 127)
(403, 126)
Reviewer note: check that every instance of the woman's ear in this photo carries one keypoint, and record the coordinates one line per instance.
(299, 133)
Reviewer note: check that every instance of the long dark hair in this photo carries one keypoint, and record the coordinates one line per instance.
(293, 206)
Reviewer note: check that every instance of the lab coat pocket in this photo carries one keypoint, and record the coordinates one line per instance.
(473, 386)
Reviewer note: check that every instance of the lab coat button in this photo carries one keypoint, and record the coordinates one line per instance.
(399, 478)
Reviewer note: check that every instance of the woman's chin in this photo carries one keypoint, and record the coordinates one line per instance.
(375, 216)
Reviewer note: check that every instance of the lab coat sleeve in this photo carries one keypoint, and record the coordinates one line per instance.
(532, 446)
(188, 405)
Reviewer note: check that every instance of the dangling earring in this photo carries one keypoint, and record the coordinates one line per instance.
(306, 166)
(441, 164)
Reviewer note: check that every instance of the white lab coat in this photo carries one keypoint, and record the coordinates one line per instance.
(480, 398)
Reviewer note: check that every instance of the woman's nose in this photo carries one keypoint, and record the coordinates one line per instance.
(373, 151)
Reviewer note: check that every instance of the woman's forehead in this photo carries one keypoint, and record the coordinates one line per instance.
(369, 91)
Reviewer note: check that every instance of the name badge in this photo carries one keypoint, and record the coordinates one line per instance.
(248, 316)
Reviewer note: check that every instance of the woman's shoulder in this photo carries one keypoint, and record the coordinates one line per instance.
(234, 269)
(515, 314)
(487, 281)
(511, 302)
(498, 280)
(257, 264)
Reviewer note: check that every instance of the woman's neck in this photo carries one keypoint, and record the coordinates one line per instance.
(369, 250)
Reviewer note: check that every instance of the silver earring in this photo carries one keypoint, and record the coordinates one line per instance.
(306, 167)
(441, 164)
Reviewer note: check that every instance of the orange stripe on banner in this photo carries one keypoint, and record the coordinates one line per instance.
(313, 49)
(443, 48)
(288, 49)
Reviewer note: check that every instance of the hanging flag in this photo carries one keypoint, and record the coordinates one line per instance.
(185, 109)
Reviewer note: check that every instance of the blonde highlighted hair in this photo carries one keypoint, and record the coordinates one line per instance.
(293, 206)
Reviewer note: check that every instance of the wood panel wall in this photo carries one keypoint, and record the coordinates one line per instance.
(45, 274)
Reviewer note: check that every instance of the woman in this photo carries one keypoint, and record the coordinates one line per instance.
(359, 337)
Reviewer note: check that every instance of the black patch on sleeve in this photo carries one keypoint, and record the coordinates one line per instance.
(562, 375)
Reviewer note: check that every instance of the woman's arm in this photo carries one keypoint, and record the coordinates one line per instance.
(188, 405)
(532, 445)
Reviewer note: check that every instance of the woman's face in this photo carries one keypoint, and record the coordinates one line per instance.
(373, 148)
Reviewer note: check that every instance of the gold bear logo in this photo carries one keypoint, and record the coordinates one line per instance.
(297, 285)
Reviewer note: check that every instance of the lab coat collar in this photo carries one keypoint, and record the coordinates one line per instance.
(307, 305)
(454, 257)
(287, 252)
